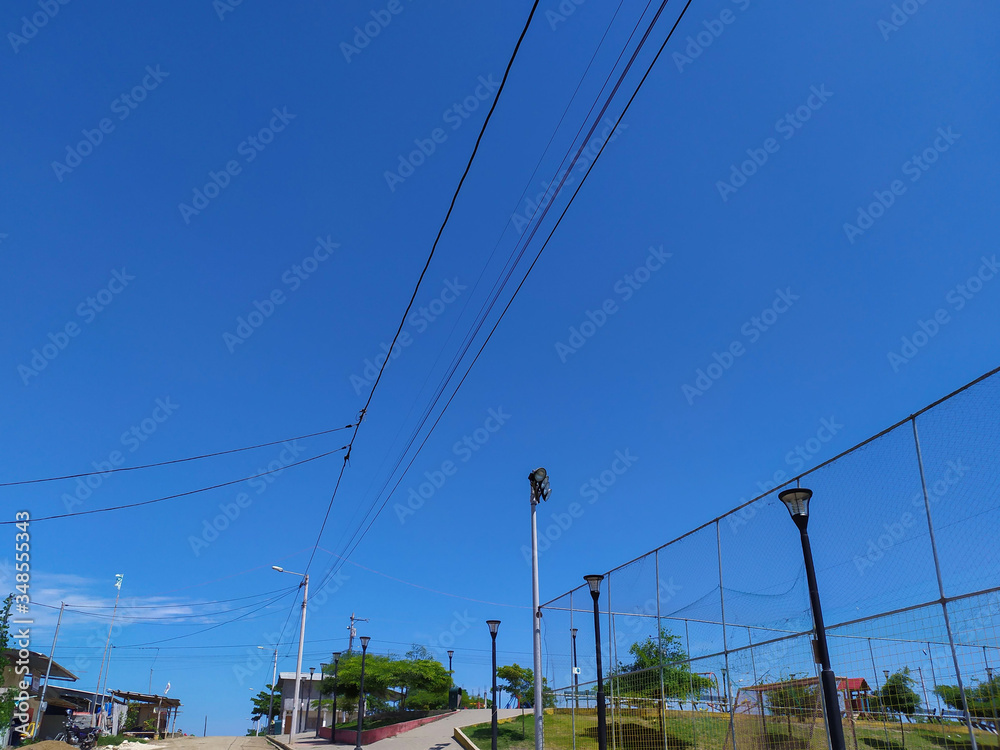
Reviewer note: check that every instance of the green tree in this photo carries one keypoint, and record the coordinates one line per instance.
(262, 704)
(792, 698)
(984, 698)
(898, 695)
(424, 679)
(678, 679)
(9, 698)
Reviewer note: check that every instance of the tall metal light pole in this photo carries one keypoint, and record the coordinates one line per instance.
(797, 502)
(298, 661)
(270, 704)
(594, 581)
(494, 625)
(450, 655)
(361, 690)
(540, 490)
(333, 723)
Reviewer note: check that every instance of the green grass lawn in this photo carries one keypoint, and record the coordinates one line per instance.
(685, 730)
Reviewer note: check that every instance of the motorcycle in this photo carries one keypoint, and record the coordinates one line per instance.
(84, 738)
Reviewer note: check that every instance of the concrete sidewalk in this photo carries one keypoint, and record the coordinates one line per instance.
(438, 735)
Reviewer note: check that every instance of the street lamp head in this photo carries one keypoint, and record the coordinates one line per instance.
(451, 654)
(538, 475)
(594, 581)
(574, 631)
(336, 656)
(364, 641)
(312, 671)
(494, 625)
(797, 502)
(278, 568)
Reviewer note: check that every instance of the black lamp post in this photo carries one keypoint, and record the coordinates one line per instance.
(361, 690)
(797, 502)
(333, 722)
(450, 654)
(305, 722)
(494, 625)
(576, 672)
(594, 581)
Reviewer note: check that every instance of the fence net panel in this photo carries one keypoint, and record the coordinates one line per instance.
(708, 641)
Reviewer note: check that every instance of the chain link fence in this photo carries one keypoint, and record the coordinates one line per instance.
(707, 641)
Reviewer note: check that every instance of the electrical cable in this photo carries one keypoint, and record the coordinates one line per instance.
(498, 286)
(530, 268)
(423, 272)
(213, 627)
(172, 461)
(180, 494)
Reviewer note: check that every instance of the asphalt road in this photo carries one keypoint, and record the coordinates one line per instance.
(215, 743)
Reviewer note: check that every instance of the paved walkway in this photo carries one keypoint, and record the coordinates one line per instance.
(438, 735)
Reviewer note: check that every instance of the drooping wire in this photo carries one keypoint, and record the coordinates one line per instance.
(179, 494)
(427, 263)
(173, 461)
(335, 568)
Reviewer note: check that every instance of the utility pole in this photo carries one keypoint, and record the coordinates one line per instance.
(48, 670)
(205, 731)
(352, 631)
(107, 646)
(540, 490)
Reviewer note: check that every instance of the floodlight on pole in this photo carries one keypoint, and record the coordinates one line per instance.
(540, 490)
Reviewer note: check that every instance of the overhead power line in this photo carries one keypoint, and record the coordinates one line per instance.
(179, 494)
(334, 569)
(511, 264)
(423, 272)
(173, 461)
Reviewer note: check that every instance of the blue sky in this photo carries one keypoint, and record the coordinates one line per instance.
(734, 173)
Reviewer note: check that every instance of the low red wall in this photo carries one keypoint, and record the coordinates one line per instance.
(368, 736)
